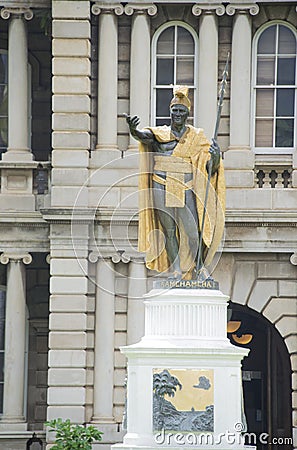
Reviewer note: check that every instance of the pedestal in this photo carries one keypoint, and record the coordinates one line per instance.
(184, 376)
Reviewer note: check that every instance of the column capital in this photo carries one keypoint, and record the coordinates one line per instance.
(96, 255)
(141, 8)
(293, 259)
(242, 8)
(104, 8)
(209, 8)
(5, 258)
(6, 12)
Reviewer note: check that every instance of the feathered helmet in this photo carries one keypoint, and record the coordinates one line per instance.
(180, 96)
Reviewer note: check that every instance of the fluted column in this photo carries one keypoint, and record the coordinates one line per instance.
(137, 287)
(15, 338)
(140, 69)
(208, 65)
(104, 340)
(107, 74)
(239, 155)
(18, 130)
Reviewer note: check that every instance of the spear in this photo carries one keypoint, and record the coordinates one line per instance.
(215, 135)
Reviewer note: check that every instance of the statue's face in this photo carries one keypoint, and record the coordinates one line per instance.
(179, 114)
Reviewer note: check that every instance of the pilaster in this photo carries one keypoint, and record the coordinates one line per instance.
(239, 160)
(208, 57)
(71, 102)
(68, 321)
(15, 338)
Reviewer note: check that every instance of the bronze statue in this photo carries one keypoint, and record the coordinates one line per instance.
(175, 162)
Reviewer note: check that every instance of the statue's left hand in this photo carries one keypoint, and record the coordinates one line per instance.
(215, 154)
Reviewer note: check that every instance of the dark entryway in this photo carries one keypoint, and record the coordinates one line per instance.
(266, 381)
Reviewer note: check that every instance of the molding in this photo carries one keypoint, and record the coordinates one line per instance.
(26, 4)
(5, 13)
(208, 8)
(5, 258)
(252, 8)
(107, 8)
(139, 8)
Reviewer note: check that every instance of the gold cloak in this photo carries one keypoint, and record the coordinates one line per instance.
(151, 240)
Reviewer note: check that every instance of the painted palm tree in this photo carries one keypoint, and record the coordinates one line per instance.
(165, 384)
(165, 415)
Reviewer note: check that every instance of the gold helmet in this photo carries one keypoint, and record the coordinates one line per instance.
(180, 97)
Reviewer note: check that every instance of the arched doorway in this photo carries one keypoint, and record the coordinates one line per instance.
(266, 374)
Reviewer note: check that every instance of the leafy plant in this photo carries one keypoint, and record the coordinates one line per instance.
(70, 436)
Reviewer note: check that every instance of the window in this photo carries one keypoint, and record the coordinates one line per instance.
(3, 101)
(174, 63)
(275, 90)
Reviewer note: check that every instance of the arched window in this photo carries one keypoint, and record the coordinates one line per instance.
(274, 90)
(174, 63)
(3, 101)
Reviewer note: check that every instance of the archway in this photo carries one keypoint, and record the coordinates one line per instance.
(266, 380)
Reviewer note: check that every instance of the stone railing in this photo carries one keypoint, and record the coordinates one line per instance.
(267, 177)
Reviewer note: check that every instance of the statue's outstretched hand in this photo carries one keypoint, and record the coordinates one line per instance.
(132, 122)
(215, 154)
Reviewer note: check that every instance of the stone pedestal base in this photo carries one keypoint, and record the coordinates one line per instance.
(186, 355)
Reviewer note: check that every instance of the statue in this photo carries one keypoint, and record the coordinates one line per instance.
(173, 186)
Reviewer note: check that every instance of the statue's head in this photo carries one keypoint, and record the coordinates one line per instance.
(180, 104)
(181, 97)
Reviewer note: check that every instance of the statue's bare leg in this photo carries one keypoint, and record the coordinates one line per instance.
(189, 217)
(168, 221)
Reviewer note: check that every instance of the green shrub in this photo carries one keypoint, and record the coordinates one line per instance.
(73, 437)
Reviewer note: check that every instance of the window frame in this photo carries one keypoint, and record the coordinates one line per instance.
(270, 150)
(154, 85)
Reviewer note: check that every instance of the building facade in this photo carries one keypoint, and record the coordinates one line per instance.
(71, 278)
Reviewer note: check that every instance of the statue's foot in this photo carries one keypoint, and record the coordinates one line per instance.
(175, 276)
(202, 274)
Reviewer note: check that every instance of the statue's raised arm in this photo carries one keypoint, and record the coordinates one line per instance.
(144, 136)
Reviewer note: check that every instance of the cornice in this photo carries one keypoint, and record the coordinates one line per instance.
(26, 4)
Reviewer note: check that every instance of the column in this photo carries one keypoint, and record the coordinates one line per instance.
(15, 338)
(107, 75)
(140, 70)
(18, 101)
(208, 65)
(137, 287)
(104, 341)
(239, 155)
